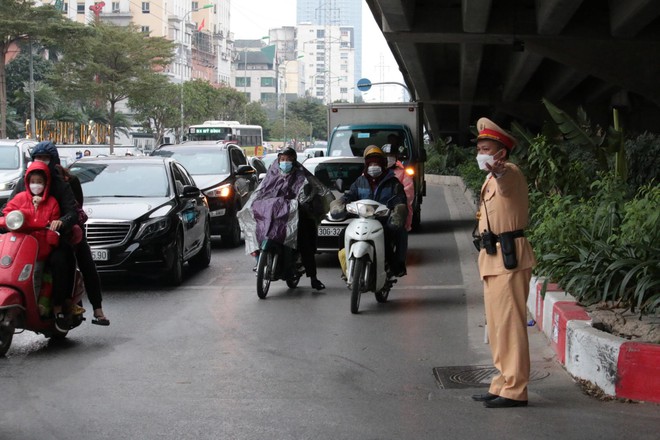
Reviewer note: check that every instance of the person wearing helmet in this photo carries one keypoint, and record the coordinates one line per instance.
(392, 154)
(379, 183)
(286, 178)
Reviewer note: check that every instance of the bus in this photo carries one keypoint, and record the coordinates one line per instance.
(249, 137)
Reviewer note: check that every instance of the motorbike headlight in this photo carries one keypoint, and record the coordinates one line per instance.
(152, 228)
(222, 191)
(14, 220)
(365, 209)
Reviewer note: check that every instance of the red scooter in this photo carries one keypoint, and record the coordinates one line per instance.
(24, 293)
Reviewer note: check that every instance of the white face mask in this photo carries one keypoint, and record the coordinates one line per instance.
(390, 161)
(483, 159)
(374, 170)
(36, 188)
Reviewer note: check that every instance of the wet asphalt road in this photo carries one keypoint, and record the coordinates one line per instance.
(209, 360)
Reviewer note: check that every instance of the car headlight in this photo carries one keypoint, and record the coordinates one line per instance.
(153, 227)
(9, 186)
(222, 191)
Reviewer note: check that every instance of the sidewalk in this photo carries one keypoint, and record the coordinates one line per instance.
(619, 368)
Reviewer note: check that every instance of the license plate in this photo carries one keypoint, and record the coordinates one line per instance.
(330, 231)
(100, 254)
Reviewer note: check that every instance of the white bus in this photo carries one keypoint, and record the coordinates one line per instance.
(249, 137)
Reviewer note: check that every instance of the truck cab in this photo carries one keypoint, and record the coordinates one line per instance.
(354, 127)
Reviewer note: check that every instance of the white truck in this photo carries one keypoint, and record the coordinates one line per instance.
(354, 126)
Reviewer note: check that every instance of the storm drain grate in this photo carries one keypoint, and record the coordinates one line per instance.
(473, 376)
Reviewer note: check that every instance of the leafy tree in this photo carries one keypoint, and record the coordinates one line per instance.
(312, 111)
(20, 20)
(112, 64)
(158, 111)
(18, 71)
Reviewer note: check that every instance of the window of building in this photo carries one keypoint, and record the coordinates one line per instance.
(242, 81)
(115, 7)
(344, 56)
(195, 6)
(343, 90)
(81, 8)
(267, 82)
(65, 8)
(145, 29)
(268, 97)
(320, 33)
(145, 7)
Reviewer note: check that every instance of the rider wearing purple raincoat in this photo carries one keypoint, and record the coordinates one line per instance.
(286, 208)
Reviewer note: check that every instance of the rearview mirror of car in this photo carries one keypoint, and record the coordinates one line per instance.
(190, 191)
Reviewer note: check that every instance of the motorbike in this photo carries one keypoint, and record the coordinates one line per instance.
(277, 262)
(364, 246)
(24, 290)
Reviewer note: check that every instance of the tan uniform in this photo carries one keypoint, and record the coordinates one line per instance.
(505, 199)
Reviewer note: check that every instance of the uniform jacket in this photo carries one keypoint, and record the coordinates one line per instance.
(45, 212)
(504, 202)
(408, 187)
(388, 191)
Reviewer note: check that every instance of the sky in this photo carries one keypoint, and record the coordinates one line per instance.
(251, 19)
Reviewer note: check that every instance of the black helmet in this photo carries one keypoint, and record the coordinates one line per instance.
(288, 151)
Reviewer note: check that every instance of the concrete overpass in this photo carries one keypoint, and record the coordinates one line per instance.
(470, 58)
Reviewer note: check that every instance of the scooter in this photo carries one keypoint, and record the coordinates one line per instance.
(277, 262)
(364, 244)
(23, 292)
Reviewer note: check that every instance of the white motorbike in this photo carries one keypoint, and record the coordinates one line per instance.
(364, 244)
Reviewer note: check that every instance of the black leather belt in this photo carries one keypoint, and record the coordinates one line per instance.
(514, 234)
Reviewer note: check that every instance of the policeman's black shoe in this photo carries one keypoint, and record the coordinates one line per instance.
(316, 284)
(503, 402)
(401, 271)
(484, 397)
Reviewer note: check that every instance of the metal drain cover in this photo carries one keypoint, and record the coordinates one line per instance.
(473, 376)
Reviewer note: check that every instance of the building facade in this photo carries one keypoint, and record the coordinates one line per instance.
(335, 13)
(200, 29)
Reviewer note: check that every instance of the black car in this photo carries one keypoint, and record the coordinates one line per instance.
(224, 176)
(146, 216)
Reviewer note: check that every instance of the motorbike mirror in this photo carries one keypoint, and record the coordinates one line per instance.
(14, 220)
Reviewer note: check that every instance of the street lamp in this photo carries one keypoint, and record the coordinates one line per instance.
(284, 103)
(183, 34)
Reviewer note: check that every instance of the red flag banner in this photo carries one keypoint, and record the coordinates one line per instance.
(201, 25)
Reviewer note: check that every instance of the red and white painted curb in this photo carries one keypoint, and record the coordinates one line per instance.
(621, 368)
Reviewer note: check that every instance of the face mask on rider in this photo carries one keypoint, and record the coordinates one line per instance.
(42, 159)
(36, 188)
(286, 167)
(374, 170)
(391, 160)
(483, 159)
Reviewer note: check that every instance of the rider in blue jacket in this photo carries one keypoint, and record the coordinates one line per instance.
(379, 183)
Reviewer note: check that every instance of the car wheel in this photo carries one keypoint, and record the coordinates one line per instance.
(202, 258)
(174, 275)
(233, 237)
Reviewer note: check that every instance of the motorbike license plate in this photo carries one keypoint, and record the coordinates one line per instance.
(99, 254)
(330, 231)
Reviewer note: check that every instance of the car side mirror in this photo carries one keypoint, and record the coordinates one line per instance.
(190, 191)
(244, 170)
(318, 154)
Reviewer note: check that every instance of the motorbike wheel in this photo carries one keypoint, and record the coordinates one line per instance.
(6, 336)
(359, 267)
(264, 272)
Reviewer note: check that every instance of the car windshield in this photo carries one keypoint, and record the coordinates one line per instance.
(354, 142)
(9, 159)
(121, 179)
(199, 161)
(329, 173)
